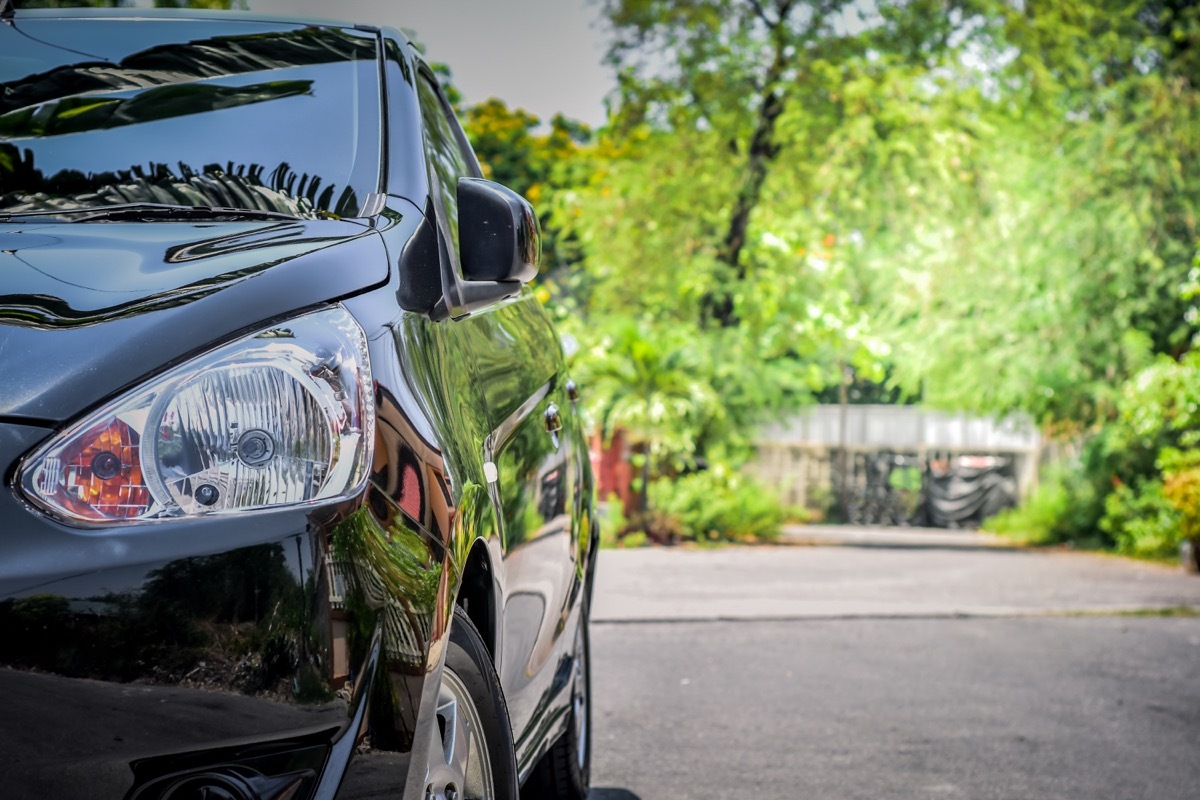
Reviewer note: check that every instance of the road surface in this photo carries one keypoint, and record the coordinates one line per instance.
(893, 664)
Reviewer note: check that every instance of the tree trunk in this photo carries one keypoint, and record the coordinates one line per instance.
(718, 305)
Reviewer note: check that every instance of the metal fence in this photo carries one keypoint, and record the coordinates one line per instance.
(899, 464)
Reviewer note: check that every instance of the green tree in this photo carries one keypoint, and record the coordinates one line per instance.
(1055, 272)
(756, 155)
(995, 206)
(713, 76)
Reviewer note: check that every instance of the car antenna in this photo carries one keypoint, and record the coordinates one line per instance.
(7, 10)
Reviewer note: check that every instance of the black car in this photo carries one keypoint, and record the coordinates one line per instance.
(296, 501)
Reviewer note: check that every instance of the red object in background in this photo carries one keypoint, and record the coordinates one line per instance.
(614, 473)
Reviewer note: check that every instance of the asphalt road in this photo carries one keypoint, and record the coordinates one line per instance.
(889, 665)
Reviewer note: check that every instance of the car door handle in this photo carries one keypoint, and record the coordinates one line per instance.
(553, 419)
(554, 423)
(572, 391)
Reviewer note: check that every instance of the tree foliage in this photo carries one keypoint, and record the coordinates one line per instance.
(991, 206)
(1058, 270)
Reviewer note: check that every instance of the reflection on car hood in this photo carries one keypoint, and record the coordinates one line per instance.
(88, 308)
(62, 274)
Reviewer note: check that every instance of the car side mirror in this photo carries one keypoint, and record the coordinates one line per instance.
(498, 234)
(500, 247)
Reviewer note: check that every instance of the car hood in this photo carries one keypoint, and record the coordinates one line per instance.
(87, 309)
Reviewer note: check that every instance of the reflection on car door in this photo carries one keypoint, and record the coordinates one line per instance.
(532, 455)
(533, 446)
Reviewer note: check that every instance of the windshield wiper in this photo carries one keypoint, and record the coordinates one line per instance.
(157, 211)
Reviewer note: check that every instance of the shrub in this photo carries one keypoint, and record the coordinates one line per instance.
(1038, 520)
(617, 530)
(822, 505)
(719, 504)
(905, 484)
(1142, 521)
(612, 521)
(656, 526)
(1064, 507)
(1182, 491)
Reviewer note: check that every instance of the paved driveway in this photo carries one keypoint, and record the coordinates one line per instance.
(890, 665)
(865, 572)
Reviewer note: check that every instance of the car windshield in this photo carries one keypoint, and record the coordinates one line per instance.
(103, 112)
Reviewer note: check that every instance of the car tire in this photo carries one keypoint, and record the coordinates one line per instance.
(473, 755)
(564, 773)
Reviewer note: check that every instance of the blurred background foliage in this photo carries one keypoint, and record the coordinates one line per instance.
(980, 205)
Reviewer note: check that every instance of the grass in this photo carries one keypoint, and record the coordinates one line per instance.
(1169, 611)
(1174, 611)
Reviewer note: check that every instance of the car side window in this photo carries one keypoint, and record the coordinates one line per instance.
(444, 151)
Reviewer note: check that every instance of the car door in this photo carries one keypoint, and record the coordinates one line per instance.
(532, 458)
(534, 448)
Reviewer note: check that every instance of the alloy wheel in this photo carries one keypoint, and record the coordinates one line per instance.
(579, 698)
(461, 768)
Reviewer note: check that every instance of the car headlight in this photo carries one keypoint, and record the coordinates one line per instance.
(282, 417)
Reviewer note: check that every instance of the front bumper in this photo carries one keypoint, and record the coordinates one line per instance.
(247, 658)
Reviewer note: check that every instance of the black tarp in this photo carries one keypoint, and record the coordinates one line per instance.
(964, 491)
(940, 491)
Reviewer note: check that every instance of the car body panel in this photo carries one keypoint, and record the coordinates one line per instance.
(538, 476)
(169, 281)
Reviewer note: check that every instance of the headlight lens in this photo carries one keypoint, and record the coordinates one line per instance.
(282, 417)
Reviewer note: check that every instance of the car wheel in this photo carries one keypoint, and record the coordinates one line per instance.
(564, 773)
(472, 757)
